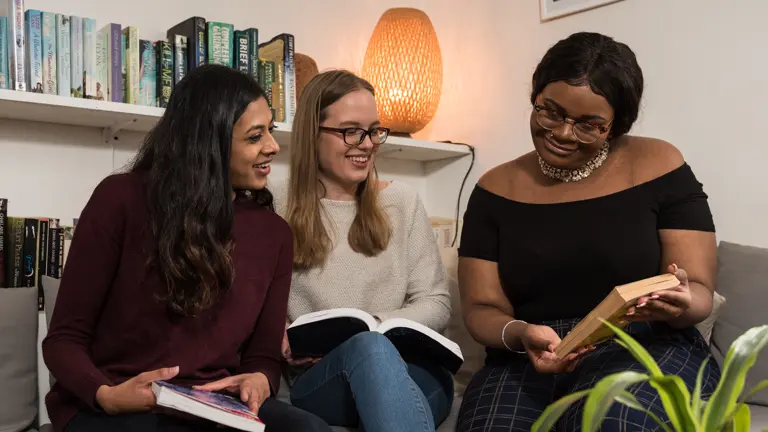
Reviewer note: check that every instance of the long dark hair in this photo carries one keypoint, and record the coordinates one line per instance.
(186, 159)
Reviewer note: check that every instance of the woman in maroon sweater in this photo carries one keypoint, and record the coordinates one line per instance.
(179, 271)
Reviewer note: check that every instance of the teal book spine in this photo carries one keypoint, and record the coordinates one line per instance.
(220, 43)
(148, 74)
(76, 53)
(34, 47)
(5, 78)
(253, 46)
(90, 37)
(63, 51)
(242, 61)
(50, 54)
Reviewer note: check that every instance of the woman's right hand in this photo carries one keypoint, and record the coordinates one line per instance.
(288, 356)
(134, 395)
(540, 342)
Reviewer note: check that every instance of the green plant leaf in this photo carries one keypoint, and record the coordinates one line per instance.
(603, 394)
(628, 399)
(696, 405)
(740, 358)
(759, 387)
(677, 402)
(637, 350)
(740, 421)
(549, 417)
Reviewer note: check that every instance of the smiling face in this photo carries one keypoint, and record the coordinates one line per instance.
(343, 166)
(560, 146)
(253, 147)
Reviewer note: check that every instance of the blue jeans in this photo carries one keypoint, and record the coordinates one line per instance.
(365, 382)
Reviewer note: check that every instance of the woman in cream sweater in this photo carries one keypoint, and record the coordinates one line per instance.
(364, 244)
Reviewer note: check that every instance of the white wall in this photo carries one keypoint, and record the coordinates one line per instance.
(704, 64)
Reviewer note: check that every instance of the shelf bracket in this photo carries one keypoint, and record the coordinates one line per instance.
(109, 132)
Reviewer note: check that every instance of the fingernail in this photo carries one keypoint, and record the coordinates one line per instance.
(630, 313)
(655, 296)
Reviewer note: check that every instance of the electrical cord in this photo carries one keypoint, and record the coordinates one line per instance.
(461, 189)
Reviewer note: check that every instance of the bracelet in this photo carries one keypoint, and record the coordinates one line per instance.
(504, 341)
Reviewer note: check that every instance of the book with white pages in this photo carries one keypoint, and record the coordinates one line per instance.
(318, 333)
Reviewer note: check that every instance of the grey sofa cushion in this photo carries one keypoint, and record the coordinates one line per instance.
(51, 291)
(743, 280)
(18, 358)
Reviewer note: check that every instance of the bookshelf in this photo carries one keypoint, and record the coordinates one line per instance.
(112, 117)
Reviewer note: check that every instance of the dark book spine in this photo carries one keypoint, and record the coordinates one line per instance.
(253, 55)
(164, 73)
(3, 224)
(180, 53)
(200, 40)
(53, 249)
(17, 233)
(60, 235)
(242, 50)
(31, 229)
(42, 264)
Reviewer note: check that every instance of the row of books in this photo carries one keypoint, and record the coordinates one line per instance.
(30, 248)
(69, 55)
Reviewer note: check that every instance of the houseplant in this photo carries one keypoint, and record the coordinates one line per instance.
(724, 411)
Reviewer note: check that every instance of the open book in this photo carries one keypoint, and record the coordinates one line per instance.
(318, 333)
(219, 408)
(591, 330)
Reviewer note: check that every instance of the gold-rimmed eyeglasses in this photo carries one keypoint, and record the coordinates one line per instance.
(584, 131)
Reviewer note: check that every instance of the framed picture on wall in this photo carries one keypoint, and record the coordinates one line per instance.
(552, 9)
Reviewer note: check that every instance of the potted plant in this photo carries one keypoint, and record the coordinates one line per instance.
(724, 411)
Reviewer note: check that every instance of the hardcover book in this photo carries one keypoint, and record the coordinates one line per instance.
(164, 73)
(253, 46)
(34, 51)
(220, 43)
(318, 333)
(242, 48)
(194, 29)
(216, 407)
(180, 54)
(280, 50)
(591, 330)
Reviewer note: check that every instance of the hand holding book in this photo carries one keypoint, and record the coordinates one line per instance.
(253, 388)
(663, 305)
(288, 355)
(540, 341)
(134, 395)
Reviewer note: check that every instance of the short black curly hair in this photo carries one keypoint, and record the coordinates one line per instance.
(610, 69)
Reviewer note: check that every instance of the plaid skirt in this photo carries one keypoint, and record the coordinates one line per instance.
(507, 394)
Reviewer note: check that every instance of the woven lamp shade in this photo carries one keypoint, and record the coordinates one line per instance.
(404, 64)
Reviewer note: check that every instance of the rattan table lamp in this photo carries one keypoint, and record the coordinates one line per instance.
(404, 64)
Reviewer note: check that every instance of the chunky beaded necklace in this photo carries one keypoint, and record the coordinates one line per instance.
(566, 175)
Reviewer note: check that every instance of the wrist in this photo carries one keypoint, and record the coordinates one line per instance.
(103, 398)
(511, 335)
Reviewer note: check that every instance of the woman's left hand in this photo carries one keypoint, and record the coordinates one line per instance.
(253, 388)
(663, 305)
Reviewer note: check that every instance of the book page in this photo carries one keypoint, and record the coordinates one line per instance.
(335, 313)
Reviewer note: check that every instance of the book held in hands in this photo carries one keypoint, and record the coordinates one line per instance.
(591, 330)
(318, 333)
(216, 407)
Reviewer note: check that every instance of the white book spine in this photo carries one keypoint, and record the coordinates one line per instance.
(34, 51)
(16, 44)
(50, 60)
(76, 52)
(102, 63)
(63, 45)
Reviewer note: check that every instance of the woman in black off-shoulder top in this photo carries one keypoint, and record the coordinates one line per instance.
(548, 235)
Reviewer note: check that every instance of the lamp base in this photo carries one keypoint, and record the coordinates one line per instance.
(401, 134)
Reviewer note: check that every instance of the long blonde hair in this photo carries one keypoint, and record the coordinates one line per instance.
(370, 230)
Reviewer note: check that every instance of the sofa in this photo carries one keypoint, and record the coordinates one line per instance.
(740, 304)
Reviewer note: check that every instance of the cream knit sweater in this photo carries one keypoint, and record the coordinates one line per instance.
(407, 280)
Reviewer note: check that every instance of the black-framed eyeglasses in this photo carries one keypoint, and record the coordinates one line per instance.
(354, 136)
(584, 131)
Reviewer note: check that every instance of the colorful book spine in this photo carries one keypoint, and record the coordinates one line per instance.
(220, 43)
(90, 37)
(76, 53)
(14, 252)
(34, 54)
(253, 46)
(16, 43)
(194, 29)
(3, 224)
(50, 56)
(5, 73)
(267, 81)
(180, 53)
(112, 34)
(148, 73)
(164, 73)
(133, 66)
(101, 66)
(124, 69)
(242, 48)
(63, 54)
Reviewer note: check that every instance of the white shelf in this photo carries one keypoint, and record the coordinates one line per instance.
(113, 116)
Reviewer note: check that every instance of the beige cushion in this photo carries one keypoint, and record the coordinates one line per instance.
(18, 358)
(474, 353)
(705, 327)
